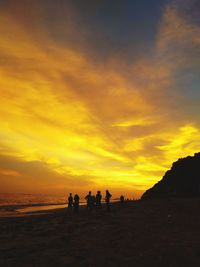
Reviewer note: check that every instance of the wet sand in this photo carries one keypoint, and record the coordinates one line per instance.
(141, 233)
(25, 210)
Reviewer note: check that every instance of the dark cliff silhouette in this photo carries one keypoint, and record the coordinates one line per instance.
(182, 180)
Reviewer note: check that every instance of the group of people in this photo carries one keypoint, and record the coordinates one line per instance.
(93, 201)
(73, 202)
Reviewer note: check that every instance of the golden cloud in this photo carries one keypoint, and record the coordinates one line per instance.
(97, 125)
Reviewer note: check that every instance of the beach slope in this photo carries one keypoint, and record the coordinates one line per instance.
(139, 233)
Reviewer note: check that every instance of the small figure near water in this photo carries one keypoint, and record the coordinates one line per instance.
(122, 199)
(76, 203)
(98, 199)
(90, 200)
(107, 199)
(70, 201)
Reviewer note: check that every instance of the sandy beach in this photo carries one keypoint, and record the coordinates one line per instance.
(139, 233)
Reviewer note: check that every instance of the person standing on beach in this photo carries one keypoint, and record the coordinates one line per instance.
(89, 199)
(98, 199)
(122, 199)
(70, 201)
(76, 203)
(107, 199)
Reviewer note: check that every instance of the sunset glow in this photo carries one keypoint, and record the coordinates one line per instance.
(74, 117)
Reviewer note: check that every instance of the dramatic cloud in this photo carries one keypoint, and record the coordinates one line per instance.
(72, 122)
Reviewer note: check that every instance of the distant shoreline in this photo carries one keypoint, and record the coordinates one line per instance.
(31, 209)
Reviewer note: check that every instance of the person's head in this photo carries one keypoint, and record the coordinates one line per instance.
(98, 192)
(70, 194)
(107, 191)
(90, 192)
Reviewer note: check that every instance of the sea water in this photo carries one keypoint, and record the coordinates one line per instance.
(13, 204)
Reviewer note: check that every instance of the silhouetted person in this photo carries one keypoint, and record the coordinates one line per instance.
(98, 199)
(76, 203)
(89, 199)
(70, 201)
(107, 199)
(122, 199)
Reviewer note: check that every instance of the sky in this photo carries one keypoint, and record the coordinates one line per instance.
(97, 94)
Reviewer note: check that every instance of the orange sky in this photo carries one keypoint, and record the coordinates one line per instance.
(72, 123)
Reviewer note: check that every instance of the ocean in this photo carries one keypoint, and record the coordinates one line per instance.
(14, 204)
(30, 199)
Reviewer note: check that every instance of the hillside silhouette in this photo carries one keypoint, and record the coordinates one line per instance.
(182, 180)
